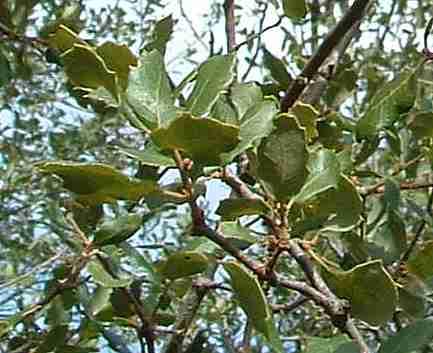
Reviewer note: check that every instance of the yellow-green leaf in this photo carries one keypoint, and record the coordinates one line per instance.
(183, 264)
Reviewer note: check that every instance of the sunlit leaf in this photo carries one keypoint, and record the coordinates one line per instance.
(97, 183)
(149, 93)
(213, 77)
(103, 278)
(203, 139)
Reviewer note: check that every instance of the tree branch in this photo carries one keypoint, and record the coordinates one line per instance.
(296, 88)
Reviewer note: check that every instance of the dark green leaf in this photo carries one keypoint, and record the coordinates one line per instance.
(421, 124)
(230, 209)
(277, 69)
(391, 196)
(238, 235)
(410, 338)
(150, 156)
(394, 99)
(421, 264)
(200, 138)
(324, 345)
(5, 70)
(117, 230)
(294, 8)
(414, 305)
(161, 35)
(283, 158)
(183, 264)
(54, 338)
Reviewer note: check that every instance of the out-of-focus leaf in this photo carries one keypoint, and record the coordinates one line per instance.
(391, 196)
(213, 77)
(5, 70)
(203, 139)
(255, 124)
(64, 39)
(86, 69)
(96, 183)
(54, 338)
(394, 99)
(232, 208)
(244, 96)
(349, 347)
(283, 159)
(253, 301)
(237, 234)
(119, 59)
(421, 124)
(103, 278)
(161, 35)
(277, 69)
(413, 305)
(324, 175)
(149, 93)
(421, 263)
(410, 338)
(100, 298)
(294, 8)
(183, 264)
(117, 230)
(324, 345)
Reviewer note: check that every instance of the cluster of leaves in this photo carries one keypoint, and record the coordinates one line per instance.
(330, 200)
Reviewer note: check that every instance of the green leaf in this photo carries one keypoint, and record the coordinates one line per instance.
(307, 117)
(283, 158)
(394, 99)
(324, 345)
(99, 300)
(414, 305)
(238, 235)
(64, 39)
(344, 205)
(5, 70)
(161, 35)
(369, 289)
(118, 230)
(391, 236)
(97, 183)
(103, 278)
(119, 59)
(373, 294)
(213, 77)
(421, 124)
(150, 156)
(86, 69)
(183, 264)
(54, 338)
(410, 338)
(421, 263)
(202, 139)
(253, 301)
(232, 208)
(349, 347)
(244, 96)
(324, 175)
(391, 195)
(294, 8)
(149, 93)
(277, 69)
(255, 124)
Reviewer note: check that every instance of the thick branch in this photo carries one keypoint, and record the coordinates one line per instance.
(295, 90)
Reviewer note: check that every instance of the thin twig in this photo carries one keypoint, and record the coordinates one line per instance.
(229, 12)
(191, 26)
